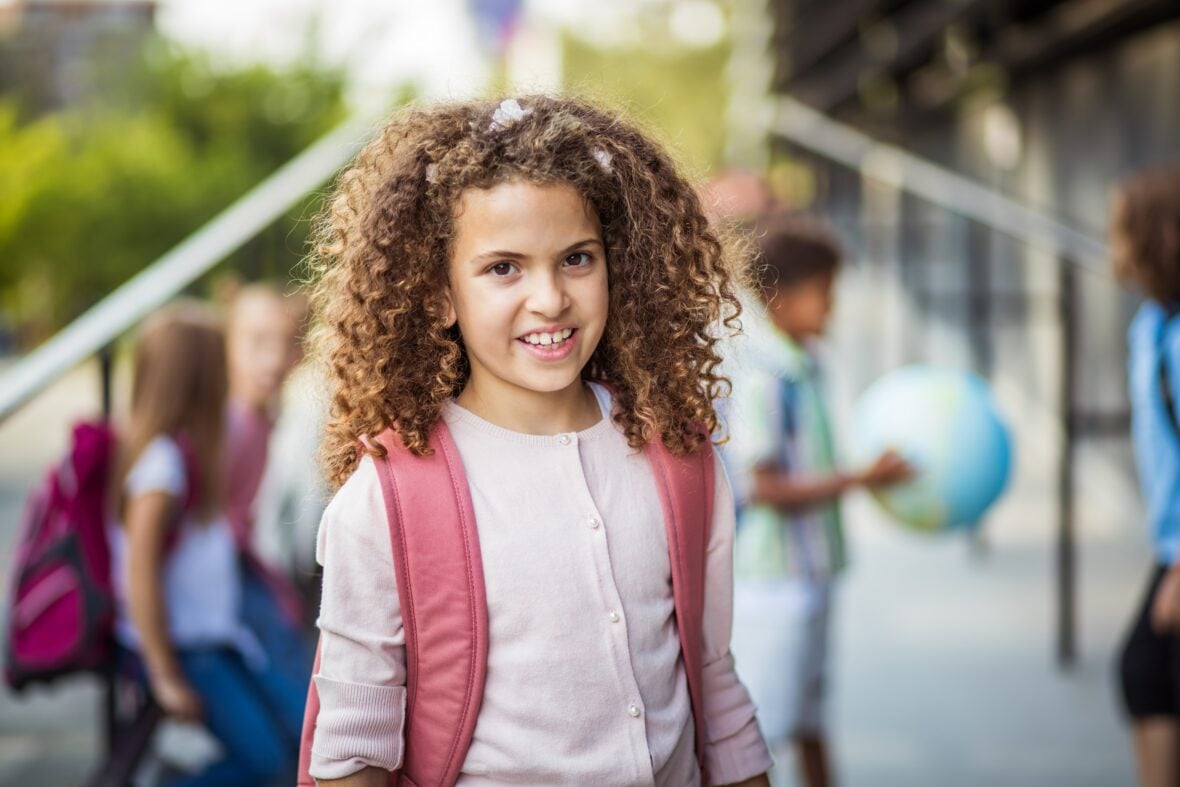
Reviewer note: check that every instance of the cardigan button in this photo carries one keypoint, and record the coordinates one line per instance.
(564, 439)
(613, 616)
(633, 711)
(593, 522)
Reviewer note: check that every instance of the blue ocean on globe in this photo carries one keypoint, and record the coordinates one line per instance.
(946, 425)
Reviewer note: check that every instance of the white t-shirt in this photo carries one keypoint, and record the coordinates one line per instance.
(201, 577)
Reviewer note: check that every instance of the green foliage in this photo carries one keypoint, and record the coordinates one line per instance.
(95, 193)
(679, 93)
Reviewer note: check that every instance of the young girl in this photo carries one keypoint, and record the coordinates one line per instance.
(537, 277)
(174, 561)
(263, 345)
(1145, 246)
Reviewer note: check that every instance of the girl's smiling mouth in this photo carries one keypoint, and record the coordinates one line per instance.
(550, 345)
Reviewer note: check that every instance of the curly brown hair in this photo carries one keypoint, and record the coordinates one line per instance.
(1145, 233)
(383, 250)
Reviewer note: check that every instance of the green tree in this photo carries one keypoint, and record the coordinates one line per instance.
(93, 194)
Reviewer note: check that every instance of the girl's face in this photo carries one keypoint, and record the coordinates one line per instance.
(528, 287)
(263, 347)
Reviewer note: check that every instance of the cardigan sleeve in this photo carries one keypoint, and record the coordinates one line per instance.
(362, 675)
(734, 747)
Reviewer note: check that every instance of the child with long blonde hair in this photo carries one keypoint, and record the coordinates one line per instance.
(535, 278)
(174, 563)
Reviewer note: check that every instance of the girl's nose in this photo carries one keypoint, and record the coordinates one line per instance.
(547, 296)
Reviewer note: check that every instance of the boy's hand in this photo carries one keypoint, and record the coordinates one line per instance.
(1165, 607)
(177, 698)
(888, 469)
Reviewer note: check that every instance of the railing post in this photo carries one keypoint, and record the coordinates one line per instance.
(110, 711)
(1066, 574)
(979, 298)
(106, 363)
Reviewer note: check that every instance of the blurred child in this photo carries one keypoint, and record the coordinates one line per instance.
(275, 492)
(536, 280)
(737, 196)
(263, 344)
(174, 562)
(790, 543)
(1145, 249)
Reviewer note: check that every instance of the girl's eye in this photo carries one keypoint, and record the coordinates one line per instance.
(578, 259)
(502, 269)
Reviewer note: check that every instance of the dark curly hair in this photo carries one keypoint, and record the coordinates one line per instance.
(384, 243)
(792, 247)
(1145, 233)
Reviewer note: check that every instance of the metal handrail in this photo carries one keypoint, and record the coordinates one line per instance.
(814, 131)
(192, 258)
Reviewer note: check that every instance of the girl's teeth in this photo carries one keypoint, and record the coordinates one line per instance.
(549, 338)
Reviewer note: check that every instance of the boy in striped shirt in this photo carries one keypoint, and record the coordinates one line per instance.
(790, 543)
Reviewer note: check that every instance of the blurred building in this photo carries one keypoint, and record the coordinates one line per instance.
(1050, 101)
(59, 53)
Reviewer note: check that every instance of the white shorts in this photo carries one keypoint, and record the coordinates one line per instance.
(780, 647)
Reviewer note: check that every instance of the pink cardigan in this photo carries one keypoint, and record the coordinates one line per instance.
(585, 682)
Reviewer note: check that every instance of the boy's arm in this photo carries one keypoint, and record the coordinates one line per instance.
(773, 486)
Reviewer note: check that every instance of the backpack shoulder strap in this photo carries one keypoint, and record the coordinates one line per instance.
(685, 488)
(440, 585)
(443, 600)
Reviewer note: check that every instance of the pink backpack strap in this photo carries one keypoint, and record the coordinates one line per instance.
(310, 711)
(444, 608)
(685, 488)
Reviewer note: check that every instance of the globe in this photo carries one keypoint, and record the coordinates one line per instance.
(945, 424)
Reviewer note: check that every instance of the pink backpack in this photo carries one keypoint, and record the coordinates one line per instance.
(61, 605)
(444, 607)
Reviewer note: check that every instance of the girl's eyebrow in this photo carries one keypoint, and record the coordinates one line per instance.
(516, 255)
(498, 254)
(581, 243)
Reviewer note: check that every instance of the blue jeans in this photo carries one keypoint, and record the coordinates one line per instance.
(287, 646)
(256, 716)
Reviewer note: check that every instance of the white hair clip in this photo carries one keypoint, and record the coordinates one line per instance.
(604, 159)
(431, 173)
(507, 113)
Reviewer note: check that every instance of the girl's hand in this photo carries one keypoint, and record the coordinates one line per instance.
(177, 698)
(1165, 607)
(888, 469)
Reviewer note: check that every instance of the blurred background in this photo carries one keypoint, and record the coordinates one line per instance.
(964, 149)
